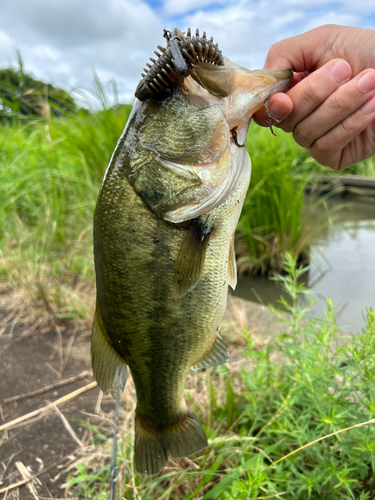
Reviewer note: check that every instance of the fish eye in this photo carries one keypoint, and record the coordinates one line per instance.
(162, 95)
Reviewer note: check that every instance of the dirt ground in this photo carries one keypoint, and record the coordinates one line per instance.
(47, 445)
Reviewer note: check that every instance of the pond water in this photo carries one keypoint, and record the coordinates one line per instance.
(342, 267)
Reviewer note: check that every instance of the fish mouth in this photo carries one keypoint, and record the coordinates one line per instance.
(251, 90)
(263, 83)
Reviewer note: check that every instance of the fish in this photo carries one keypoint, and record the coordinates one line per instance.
(164, 229)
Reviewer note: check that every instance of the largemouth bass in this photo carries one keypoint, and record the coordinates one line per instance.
(164, 243)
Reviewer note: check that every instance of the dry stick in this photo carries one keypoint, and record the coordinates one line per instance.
(68, 427)
(27, 476)
(60, 383)
(25, 481)
(46, 303)
(53, 370)
(50, 406)
(5, 436)
(29, 422)
(99, 402)
(69, 347)
(2, 474)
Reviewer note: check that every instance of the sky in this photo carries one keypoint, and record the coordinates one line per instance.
(63, 42)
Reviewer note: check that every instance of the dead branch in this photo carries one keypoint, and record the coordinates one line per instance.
(60, 383)
(50, 406)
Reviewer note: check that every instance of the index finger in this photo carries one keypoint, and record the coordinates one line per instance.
(301, 53)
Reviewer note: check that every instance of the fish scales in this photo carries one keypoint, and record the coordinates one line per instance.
(142, 273)
(163, 244)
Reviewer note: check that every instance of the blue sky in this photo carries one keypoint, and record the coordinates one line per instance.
(63, 41)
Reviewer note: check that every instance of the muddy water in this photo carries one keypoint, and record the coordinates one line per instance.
(342, 267)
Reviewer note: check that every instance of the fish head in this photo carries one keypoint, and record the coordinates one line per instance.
(189, 155)
(241, 91)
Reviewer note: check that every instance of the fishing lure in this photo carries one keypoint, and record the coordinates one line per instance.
(176, 61)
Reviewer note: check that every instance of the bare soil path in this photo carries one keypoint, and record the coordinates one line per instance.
(49, 444)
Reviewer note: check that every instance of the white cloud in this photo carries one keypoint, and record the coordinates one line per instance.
(63, 41)
(180, 7)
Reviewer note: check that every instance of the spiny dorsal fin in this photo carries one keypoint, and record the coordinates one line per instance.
(108, 366)
(217, 354)
(192, 255)
(232, 266)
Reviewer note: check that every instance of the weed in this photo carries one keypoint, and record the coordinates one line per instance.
(294, 420)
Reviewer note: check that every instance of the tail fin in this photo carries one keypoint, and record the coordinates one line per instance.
(153, 446)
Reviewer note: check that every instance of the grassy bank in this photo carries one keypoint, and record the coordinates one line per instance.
(283, 420)
(271, 221)
(51, 175)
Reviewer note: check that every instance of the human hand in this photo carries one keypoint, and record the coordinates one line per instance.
(330, 107)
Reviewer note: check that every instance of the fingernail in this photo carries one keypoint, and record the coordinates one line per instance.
(366, 82)
(340, 72)
(369, 106)
(278, 110)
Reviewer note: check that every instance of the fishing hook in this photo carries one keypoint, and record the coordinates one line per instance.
(273, 120)
(234, 137)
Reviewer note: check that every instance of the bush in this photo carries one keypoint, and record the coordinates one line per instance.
(298, 423)
(303, 393)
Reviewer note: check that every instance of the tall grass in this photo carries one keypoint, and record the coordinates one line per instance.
(51, 172)
(51, 175)
(294, 420)
(272, 221)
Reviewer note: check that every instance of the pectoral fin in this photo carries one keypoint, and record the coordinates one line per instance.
(232, 266)
(108, 366)
(191, 256)
(217, 354)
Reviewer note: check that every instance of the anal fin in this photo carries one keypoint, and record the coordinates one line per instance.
(232, 266)
(217, 354)
(109, 368)
(192, 255)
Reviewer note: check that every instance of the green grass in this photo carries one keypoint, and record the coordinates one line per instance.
(281, 425)
(275, 218)
(51, 175)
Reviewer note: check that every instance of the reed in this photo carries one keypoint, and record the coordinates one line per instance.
(51, 175)
(275, 217)
(52, 169)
